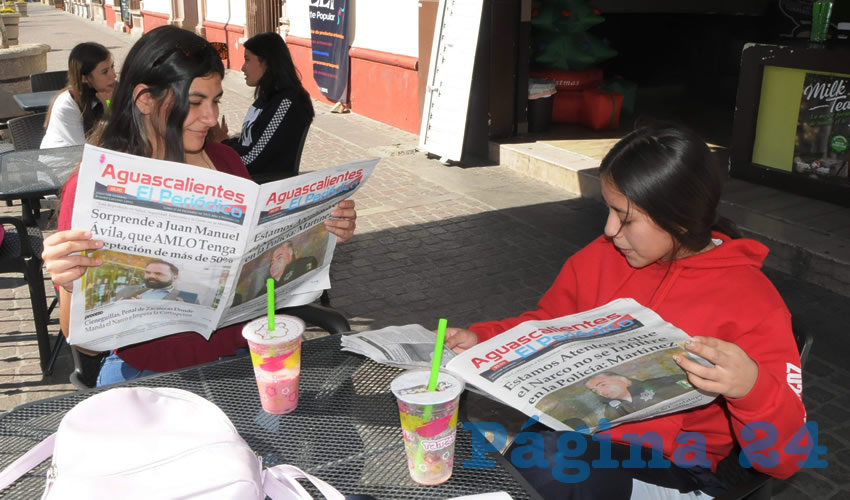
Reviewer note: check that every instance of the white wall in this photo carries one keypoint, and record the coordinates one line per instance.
(161, 6)
(384, 25)
(299, 17)
(218, 11)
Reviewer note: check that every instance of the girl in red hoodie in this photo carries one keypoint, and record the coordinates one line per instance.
(663, 246)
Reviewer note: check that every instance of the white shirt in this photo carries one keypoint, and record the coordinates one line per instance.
(65, 126)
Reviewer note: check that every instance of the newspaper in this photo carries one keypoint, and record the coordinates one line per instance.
(614, 362)
(190, 249)
(408, 346)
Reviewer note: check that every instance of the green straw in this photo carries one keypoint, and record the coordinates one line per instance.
(270, 302)
(432, 381)
(438, 354)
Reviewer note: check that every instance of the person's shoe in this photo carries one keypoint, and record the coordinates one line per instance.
(340, 108)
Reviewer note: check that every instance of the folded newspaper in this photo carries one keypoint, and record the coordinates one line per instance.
(613, 362)
(191, 249)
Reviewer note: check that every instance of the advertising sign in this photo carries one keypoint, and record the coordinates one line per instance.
(330, 40)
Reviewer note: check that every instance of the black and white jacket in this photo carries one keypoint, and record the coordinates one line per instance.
(271, 135)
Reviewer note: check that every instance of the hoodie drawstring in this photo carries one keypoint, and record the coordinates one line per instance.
(666, 284)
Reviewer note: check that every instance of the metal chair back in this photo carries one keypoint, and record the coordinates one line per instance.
(49, 80)
(20, 252)
(27, 132)
(297, 164)
(289, 170)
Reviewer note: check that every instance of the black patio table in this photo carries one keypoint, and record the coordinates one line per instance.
(34, 173)
(345, 430)
(35, 101)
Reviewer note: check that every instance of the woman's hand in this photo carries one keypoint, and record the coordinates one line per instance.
(344, 220)
(459, 340)
(63, 267)
(218, 132)
(733, 374)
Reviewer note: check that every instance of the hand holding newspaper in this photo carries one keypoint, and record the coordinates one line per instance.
(190, 249)
(613, 362)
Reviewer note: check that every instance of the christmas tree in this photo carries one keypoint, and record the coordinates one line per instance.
(560, 35)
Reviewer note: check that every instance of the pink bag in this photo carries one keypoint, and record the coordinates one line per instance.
(156, 443)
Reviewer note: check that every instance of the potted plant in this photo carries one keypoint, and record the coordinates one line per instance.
(22, 8)
(11, 20)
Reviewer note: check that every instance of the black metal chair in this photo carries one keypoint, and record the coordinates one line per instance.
(20, 252)
(293, 170)
(49, 80)
(27, 132)
(86, 369)
(6, 147)
(322, 316)
(747, 483)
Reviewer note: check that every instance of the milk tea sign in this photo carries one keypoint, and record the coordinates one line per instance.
(329, 37)
(823, 127)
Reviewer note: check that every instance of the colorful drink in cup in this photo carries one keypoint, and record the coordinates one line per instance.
(276, 356)
(429, 423)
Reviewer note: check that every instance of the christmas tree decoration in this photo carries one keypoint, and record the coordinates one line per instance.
(560, 37)
(563, 51)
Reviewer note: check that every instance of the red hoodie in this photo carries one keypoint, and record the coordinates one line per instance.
(720, 293)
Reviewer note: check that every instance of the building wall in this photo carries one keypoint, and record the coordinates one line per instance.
(161, 6)
(225, 22)
(109, 15)
(156, 13)
(383, 25)
(384, 82)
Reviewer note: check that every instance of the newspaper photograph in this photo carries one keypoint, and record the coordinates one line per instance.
(190, 249)
(613, 362)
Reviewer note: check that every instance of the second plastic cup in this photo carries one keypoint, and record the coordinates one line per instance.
(276, 356)
(429, 423)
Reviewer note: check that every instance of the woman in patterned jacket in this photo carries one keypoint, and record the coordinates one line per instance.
(280, 115)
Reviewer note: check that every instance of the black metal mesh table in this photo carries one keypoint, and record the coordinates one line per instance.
(36, 172)
(346, 429)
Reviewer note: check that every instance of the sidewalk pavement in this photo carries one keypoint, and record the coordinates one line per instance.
(464, 243)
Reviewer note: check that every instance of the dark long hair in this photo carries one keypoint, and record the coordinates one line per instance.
(280, 71)
(82, 60)
(668, 171)
(166, 60)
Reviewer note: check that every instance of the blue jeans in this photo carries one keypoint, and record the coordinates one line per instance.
(114, 369)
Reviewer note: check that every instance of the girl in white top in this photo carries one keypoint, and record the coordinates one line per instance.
(76, 110)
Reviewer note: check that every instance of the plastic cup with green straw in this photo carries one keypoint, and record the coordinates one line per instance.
(432, 380)
(270, 302)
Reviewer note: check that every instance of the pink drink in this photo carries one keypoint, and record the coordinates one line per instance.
(276, 356)
(429, 424)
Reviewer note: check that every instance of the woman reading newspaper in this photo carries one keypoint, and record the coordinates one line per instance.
(162, 108)
(663, 246)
